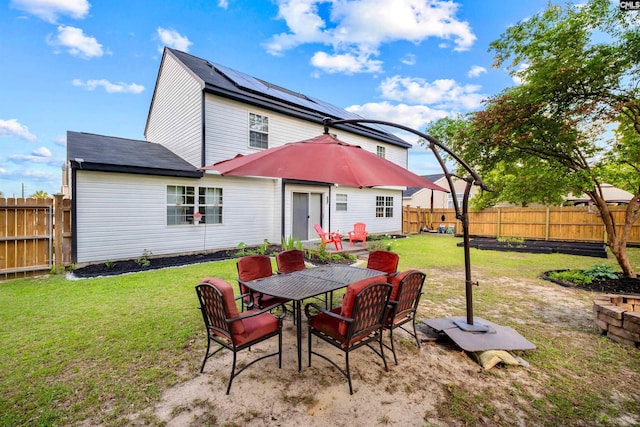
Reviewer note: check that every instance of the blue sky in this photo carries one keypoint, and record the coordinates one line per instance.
(91, 66)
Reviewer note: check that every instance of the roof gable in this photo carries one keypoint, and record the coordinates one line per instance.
(226, 82)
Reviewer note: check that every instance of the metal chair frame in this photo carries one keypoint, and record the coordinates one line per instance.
(405, 306)
(370, 308)
(218, 324)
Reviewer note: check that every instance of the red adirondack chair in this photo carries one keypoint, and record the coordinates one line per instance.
(359, 233)
(327, 238)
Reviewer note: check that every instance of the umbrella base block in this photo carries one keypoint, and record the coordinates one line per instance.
(476, 327)
(498, 337)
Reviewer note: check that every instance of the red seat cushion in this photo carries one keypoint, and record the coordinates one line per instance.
(256, 327)
(383, 261)
(227, 294)
(350, 295)
(252, 267)
(395, 282)
(290, 261)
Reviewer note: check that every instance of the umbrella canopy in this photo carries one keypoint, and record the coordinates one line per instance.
(323, 159)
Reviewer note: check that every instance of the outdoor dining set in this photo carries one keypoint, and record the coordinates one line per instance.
(377, 298)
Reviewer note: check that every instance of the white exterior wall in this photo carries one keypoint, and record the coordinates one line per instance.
(227, 132)
(175, 119)
(422, 198)
(361, 207)
(118, 216)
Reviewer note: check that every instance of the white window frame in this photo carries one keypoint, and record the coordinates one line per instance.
(381, 151)
(459, 196)
(181, 202)
(341, 202)
(210, 205)
(384, 206)
(258, 131)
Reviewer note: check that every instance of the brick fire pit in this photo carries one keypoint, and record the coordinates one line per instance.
(618, 317)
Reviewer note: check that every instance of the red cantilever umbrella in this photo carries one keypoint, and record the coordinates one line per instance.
(323, 159)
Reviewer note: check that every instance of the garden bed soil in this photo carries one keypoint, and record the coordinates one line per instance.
(154, 263)
(598, 250)
(621, 285)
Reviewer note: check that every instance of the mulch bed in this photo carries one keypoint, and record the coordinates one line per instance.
(621, 285)
(137, 265)
(598, 250)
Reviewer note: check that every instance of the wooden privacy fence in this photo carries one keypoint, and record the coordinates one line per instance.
(562, 223)
(35, 236)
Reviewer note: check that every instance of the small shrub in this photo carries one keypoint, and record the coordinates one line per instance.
(601, 272)
(242, 249)
(262, 249)
(573, 276)
(144, 260)
(109, 264)
(384, 245)
(291, 243)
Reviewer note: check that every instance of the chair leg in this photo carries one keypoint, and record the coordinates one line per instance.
(348, 372)
(393, 347)
(309, 344)
(280, 348)
(384, 360)
(206, 354)
(233, 370)
(415, 333)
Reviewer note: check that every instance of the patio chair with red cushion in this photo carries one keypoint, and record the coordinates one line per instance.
(358, 234)
(358, 322)
(404, 299)
(253, 267)
(386, 261)
(327, 238)
(290, 260)
(232, 331)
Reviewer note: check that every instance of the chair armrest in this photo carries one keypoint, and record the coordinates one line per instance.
(247, 315)
(325, 311)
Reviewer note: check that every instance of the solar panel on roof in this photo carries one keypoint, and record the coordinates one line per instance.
(250, 83)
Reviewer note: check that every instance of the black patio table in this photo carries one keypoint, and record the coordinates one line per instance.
(307, 283)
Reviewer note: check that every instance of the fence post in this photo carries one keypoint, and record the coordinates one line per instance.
(58, 227)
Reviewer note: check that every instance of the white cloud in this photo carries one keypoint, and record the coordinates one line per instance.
(108, 86)
(61, 140)
(444, 93)
(475, 71)
(12, 127)
(172, 39)
(362, 26)
(76, 42)
(345, 63)
(50, 10)
(409, 59)
(412, 116)
(42, 152)
(518, 75)
(223, 4)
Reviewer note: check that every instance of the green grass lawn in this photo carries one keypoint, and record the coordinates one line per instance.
(99, 349)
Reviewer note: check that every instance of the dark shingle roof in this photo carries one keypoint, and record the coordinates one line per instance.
(107, 153)
(410, 191)
(229, 83)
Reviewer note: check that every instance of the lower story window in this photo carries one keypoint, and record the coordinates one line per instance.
(384, 207)
(210, 205)
(181, 204)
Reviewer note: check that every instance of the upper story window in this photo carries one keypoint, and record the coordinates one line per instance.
(381, 151)
(384, 207)
(341, 202)
(258, 131)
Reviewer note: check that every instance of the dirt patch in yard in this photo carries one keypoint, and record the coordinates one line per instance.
(437, 384)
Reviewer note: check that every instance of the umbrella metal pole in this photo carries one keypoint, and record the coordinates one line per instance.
(462, 216)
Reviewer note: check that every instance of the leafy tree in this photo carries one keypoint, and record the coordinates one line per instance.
(552, 134)
(40, 194)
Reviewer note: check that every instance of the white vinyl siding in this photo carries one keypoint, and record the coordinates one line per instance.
(176, 114)
(227, 123)
(119, 216)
